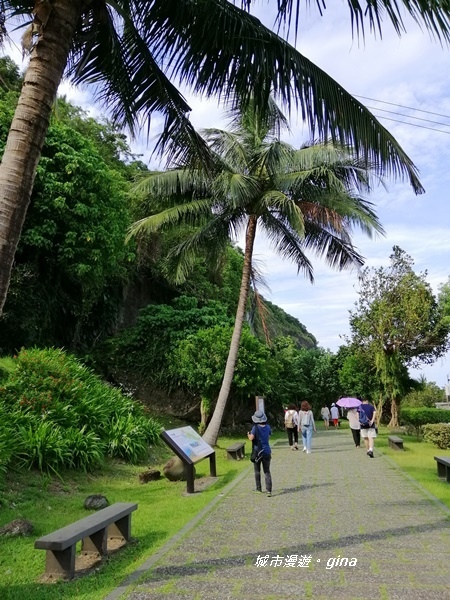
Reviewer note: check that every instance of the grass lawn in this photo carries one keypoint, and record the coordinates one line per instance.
(417, 460)
(50, 503)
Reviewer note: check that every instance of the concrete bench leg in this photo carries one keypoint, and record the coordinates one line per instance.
(442, 470)
(121, 528)
(60, 563)
(96, 543)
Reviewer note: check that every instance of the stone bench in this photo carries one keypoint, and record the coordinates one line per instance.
(443, 466)
(236, 451)
(395, 442)
(112, 522)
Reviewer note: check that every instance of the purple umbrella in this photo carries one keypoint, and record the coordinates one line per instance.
(349, 402)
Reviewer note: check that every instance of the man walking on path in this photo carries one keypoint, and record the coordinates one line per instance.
(367, 422)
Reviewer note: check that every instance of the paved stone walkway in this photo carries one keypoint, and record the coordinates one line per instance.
(335, 502)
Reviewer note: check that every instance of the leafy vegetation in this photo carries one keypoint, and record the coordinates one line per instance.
(418, 417)
(397, 323)
(59, 415)
(437, 434)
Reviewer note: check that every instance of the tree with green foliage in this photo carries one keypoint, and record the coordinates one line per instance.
(129, 51)
(398, 323)
(72, 258)
(357, 374)
(307, 199)
(199, 362)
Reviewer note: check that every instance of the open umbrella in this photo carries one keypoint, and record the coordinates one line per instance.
(349, 402)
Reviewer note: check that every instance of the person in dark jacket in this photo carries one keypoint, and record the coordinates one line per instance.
(259, 436)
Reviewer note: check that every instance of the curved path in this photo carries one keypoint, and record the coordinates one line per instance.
(328, 506)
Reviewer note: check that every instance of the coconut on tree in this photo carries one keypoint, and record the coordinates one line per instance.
(303, 200)
(134, 54)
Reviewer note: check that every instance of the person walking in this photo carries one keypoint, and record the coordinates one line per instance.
(335, 415)
(259, 436)
(325, 414)
(291, 424)
(306, 425)
(353, 421)
(367, 416)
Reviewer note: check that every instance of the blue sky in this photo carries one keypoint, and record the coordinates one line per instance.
(410, 71)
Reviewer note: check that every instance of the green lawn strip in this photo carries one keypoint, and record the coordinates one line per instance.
(417, 460)
(51, 503)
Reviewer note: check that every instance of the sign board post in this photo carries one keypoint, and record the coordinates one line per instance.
(259, 401)
(190, 448)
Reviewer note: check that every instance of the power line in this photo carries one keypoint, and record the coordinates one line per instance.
(393, 112)
(402, 106)
(412, 124)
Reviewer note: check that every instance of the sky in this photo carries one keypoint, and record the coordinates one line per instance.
(408, 76)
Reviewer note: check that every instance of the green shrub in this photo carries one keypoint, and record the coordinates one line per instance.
(437, 434)
(67, 417)
(6, 442)
(42, 446)
(418, 417)
(127, 438)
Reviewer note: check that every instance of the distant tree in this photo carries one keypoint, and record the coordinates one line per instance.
(427, 394)
(398, 322)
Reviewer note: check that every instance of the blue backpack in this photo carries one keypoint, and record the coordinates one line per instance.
(364, 420)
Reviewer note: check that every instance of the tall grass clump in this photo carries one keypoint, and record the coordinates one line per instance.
(64, 416)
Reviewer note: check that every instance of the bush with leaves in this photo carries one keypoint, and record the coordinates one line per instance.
(418, 417)
(66, 417)
(438, 434)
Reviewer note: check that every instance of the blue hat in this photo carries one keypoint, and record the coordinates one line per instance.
(259, 417)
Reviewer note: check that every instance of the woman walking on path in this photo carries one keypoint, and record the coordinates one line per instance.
(353, 421)
(259, 436)
(325, 413)
(291, 424)
(306, 425)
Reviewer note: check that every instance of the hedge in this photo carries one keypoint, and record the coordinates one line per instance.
(418, 417)
(437, 434)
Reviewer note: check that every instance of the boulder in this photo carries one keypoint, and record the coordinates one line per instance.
(175, 469)
(151, 475)
(96, 502)
(16, 528)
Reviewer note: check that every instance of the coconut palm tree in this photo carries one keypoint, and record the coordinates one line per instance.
(303, 200)
(131, 51)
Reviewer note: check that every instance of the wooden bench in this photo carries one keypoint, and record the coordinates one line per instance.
(236, 451)
(395, 442)
(443, 466)
(113, 522)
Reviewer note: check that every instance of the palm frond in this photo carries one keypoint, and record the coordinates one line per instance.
(278, 203)
(433, 15)
(337, 250)
(240, 58)
(287, 243)
(192, 213)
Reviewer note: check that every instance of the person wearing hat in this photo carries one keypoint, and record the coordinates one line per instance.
(259, 436)
(335, 415)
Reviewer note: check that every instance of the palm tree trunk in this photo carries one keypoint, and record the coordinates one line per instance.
(212, 431)
(29, 127)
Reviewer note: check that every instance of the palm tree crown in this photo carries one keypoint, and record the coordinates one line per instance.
(307, 199)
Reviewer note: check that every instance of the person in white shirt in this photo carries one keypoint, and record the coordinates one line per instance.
(325, 413)
(291, 424)
(335, 415)
(353, 421)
